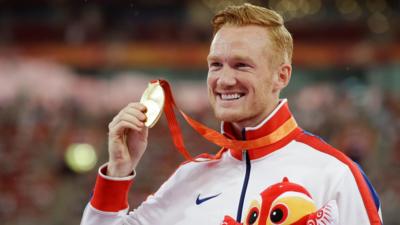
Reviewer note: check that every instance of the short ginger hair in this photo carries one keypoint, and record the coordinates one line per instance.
(248, 14)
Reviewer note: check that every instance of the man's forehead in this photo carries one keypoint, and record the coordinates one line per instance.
(228, 51)
(233, 39)
(240, 40)
(237, 49)
(241, 33)
(229, 45)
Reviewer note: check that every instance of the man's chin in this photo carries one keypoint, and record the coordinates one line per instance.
(229, 117)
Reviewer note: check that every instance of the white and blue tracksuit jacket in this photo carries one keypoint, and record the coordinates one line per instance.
(201, 193)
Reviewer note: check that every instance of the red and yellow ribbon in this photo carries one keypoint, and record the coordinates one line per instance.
(212, 135)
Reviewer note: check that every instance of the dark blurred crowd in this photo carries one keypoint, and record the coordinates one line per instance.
(37, 187)
(88, 21)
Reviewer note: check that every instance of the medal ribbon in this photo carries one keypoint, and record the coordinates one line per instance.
(212, 135)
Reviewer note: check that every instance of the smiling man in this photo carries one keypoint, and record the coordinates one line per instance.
(249, 64)
(244, 78)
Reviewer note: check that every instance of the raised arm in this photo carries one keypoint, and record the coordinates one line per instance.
(127, 141)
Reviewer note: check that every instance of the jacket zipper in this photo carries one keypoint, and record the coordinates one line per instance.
(245, 156)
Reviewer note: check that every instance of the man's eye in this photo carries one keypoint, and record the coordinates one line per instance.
(241, 65)
(215, 65)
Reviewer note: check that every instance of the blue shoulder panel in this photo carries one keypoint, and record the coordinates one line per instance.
(371, 188)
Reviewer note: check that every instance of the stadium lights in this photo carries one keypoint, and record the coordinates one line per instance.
(81, 157)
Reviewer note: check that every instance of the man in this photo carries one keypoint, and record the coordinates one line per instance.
(249, 64)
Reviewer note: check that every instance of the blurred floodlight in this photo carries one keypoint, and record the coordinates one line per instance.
(314, 6)
(346, 6)
(81, 157)
(349, 8)
(287, 8)
(291, 9)
(219, 5)
(376, 5)
(378, 23)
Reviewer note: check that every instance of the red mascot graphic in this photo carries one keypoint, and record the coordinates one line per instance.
(287, 203)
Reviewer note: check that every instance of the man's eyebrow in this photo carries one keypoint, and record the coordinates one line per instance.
(212, 58)
(234, 57)
(242, 58)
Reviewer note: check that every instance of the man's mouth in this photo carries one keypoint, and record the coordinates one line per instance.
(230, 96)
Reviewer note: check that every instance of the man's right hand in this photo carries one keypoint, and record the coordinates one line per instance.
(127, 140)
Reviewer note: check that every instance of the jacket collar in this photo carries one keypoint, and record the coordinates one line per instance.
(274, 122)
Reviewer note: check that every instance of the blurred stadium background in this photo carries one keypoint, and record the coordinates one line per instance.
(66, 67)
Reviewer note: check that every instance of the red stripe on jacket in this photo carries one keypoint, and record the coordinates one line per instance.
(366, 194)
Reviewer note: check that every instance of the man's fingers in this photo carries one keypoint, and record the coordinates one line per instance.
(132, 110)
(129, 118)
(124, 124)
(137, 105)
(136, 113)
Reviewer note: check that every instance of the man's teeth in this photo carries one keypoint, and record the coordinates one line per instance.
(231, 96)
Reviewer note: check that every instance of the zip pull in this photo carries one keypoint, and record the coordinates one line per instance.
(244, 155)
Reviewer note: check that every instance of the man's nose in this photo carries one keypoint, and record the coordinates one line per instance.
(226, 78)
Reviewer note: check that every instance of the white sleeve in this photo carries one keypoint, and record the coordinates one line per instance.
(161, 208)
(93, 216)
(108, 205)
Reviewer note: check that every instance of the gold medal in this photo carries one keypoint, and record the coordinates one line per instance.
(153, 98)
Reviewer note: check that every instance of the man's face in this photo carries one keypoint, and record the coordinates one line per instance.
(242, 83)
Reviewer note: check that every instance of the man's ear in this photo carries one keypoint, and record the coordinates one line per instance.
(284, 73)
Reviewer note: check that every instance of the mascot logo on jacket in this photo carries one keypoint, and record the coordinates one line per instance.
(287, 203)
